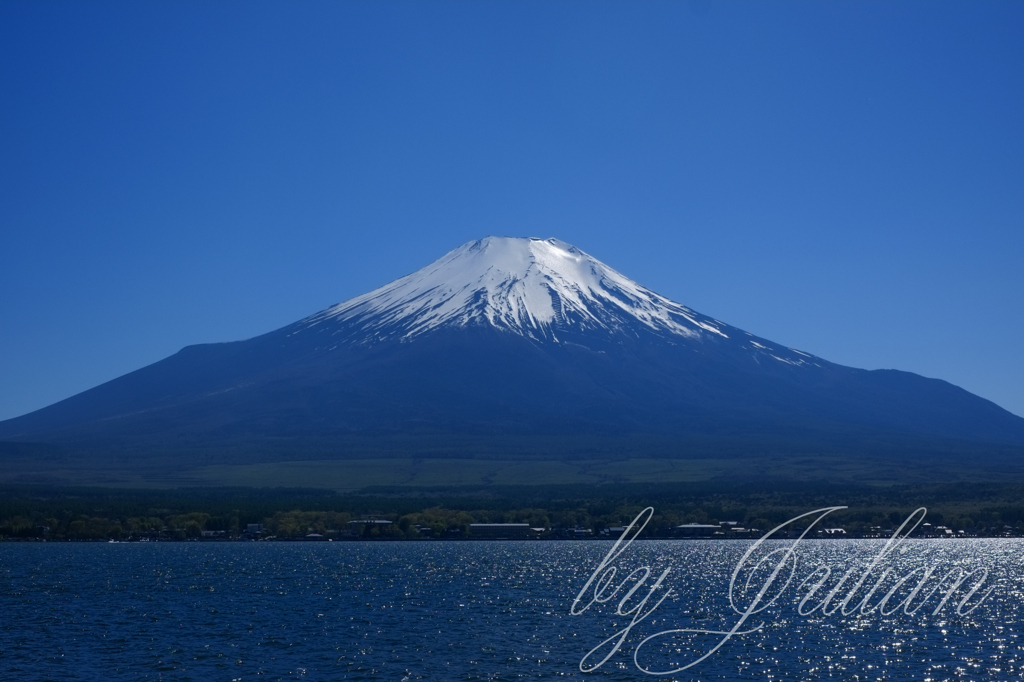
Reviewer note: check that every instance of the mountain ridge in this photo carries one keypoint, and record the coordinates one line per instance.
(504, 346)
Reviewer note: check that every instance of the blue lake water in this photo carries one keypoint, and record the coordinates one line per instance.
(479, 611)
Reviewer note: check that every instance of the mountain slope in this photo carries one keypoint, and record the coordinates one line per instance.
(513, 347)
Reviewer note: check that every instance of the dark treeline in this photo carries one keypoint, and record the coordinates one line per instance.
(101, 513)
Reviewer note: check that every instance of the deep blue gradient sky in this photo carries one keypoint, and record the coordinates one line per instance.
(843, 178)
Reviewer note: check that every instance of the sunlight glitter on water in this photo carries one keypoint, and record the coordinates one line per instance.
(473, 610)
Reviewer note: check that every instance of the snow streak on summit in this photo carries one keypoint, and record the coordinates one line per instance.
(532, 287)
(535, 288)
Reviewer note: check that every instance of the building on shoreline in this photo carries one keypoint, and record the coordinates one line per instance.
(499, 531)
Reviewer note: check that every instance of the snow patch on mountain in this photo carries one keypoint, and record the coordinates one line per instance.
(532, 287)
(536, 288)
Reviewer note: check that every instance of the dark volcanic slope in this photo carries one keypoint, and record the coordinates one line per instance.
(514, 348)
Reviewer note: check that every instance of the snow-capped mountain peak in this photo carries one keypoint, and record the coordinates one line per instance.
(531, 287)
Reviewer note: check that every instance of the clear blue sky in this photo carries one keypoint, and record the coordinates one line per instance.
(844, 178)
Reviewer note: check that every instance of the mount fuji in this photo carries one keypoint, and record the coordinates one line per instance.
(513, 348)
